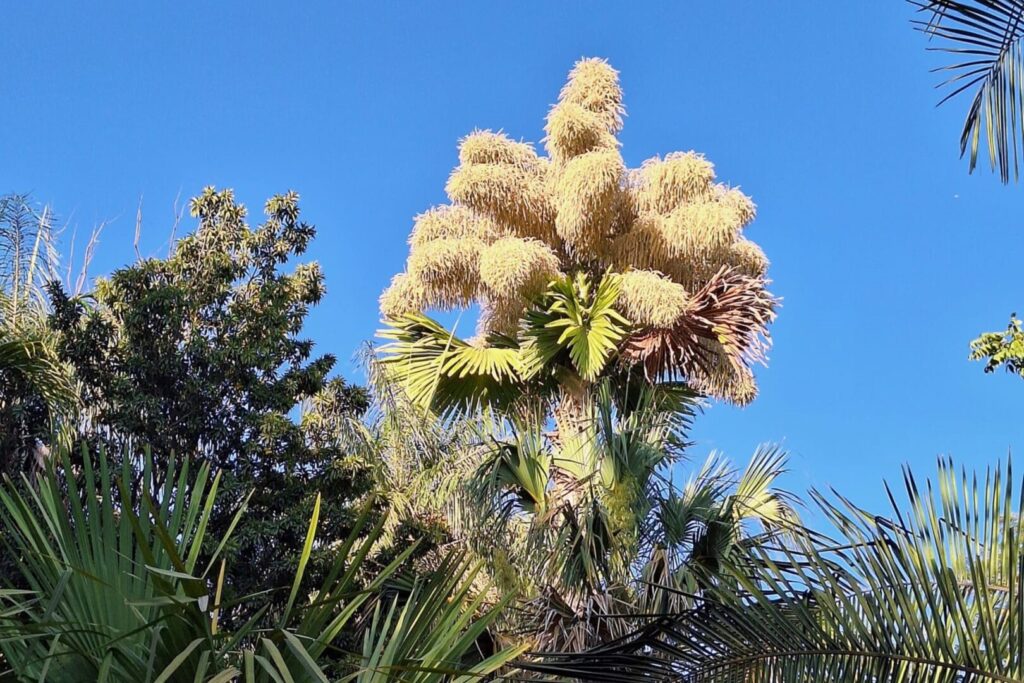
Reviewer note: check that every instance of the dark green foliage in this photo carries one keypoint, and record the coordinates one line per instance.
(199, 354)
(1001, 348)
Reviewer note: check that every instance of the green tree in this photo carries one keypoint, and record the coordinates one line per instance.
(199, 354)
(1004, 349)
(117, 589)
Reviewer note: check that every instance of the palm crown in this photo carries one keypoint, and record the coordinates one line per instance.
(576, 261)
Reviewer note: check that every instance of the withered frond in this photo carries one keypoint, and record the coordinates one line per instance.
(726, 322)
(452, 222)
(649, 299)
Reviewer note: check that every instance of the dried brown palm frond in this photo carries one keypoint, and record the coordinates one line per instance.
(594, 85)
(517, 269)
(664, 184)
(726, 323)
(649, 299)
(571, 624)
(452, 222)
(487, 147)
(512, 196)
(586, 196)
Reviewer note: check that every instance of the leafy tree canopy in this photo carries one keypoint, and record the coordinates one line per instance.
(200, 353)
(1001, 348)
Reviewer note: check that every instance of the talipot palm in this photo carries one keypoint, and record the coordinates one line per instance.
(581, 269)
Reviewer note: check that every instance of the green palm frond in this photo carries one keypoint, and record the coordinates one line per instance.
(986, 37)
(118, 590)
(578, 320)
(935, 594)
(446, 374)
(432, 634)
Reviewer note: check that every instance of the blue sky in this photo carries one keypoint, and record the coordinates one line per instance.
(888, 255)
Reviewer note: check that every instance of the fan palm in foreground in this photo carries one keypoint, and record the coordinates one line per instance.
(114, 589)
(935, 593)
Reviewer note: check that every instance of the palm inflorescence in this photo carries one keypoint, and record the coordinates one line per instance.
(580, 263)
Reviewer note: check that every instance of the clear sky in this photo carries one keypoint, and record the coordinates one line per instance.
(888, 255)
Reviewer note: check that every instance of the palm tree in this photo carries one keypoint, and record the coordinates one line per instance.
(581, 268)
(38, 398)
(586, 526)
(116, 590)
(610, 300)
(985, 36)
(932, 593)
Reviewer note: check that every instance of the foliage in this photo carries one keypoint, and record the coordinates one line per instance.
(986, 38)
(118, 591)
(1001, 348)
(199, 354)
(37, 394)
(582, 522)
(526, 237)
(934, 593)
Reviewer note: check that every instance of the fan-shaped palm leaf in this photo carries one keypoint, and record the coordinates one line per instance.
(576, 319)
(441, 372)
